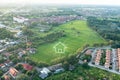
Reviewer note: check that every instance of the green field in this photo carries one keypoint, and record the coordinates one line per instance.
(77, 35)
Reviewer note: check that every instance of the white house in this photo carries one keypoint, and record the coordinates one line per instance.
(2, 26)
(20, 19)
(19, 34)
(44, 73)
(59, 70)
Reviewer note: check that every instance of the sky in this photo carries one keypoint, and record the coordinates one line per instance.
(91, 2)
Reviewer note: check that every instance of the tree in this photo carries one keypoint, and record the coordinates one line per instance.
(1, 72)
(72, 59)
(66, 65)
(95, 44)
(87, 57)
(23, 77)
(19, 67)
(1, 60)
(111, 42)
(15, 60)
(5, 34)
(32, 72)
(86, 45)
(86, 66)
(27, 31)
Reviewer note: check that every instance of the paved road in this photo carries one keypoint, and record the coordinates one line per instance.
(113, 59)
(93, 55)
(103, 68)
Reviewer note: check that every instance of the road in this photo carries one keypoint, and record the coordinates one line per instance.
(93, 55)
(103, 68)
(113, 59)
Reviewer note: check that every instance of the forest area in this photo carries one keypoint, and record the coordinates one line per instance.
(107, 28)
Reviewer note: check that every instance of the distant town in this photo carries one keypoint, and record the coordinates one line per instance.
(88, 37)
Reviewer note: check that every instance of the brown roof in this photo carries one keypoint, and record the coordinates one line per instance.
(107, 63)
(88, 52)
(6, 77)
(29, 43)
(118, 53)
(7, 54)
(13, 71)
(27, 67)
(1, 64)
(98, 57)
(8, 61)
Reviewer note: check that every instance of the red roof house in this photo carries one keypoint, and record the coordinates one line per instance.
(27, 66)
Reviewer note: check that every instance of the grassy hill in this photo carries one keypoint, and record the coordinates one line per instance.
(77, 35)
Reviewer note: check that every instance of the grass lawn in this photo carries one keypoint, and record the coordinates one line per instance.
(77, 35)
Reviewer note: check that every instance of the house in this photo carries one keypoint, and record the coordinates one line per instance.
(44, 73)
(21, 53)
(60, 47)
(59, 70)
(118, 57)
(2, 50)
(98, 57)
(2, 65)
(6, 55)
(6, 77)
(31, 50)
(55, 67)
(27, 67)
(19, 34)
(13, 72)
(88, 52)
(107, 63)
(2, 26)
(71, 67)
(13, 42)
(42, 30)
(20, 19)
(29, 43)
(8, 63)
(2, 41)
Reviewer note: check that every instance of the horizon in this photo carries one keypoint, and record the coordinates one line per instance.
(62, 2)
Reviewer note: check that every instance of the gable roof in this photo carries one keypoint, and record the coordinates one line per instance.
(6, 77)
(27, 66)
(43, 75)
(45, 70)
(13, 72)
(1, 65)
(54, 67)
(7, 54)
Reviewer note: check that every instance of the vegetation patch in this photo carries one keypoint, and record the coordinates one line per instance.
(76, 35)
